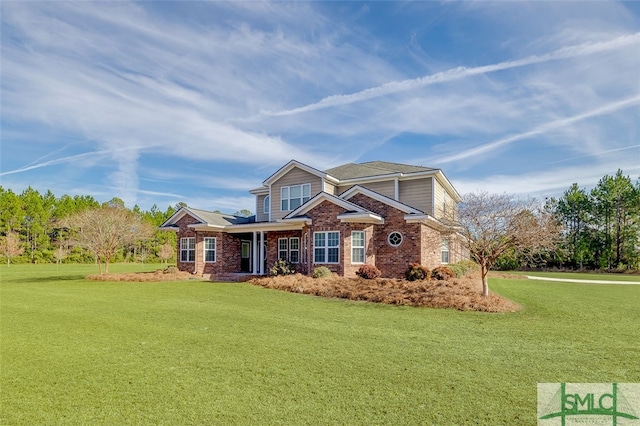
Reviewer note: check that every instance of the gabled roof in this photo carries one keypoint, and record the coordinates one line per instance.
(353, 212)
(296, 164)
(204, 217)
(374, 168)
(357, 189)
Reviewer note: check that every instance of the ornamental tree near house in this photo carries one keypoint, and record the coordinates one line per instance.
(105, 230)
(493, 223)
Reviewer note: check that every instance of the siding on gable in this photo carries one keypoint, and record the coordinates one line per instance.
(386, 188)
(330, 188)
(444, 209)
(260, 216)
(294, 177)
(417, 193)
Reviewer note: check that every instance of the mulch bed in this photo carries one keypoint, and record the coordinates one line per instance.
(159, 275)
(464, 294)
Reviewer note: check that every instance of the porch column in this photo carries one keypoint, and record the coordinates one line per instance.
(261, 252)
(254, 258)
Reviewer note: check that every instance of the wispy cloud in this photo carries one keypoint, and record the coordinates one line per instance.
(460, 73)
(546, 127)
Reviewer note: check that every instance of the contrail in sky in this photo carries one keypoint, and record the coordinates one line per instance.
(459, 73)
(543, 128)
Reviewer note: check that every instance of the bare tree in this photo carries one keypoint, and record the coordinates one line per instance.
(167, 251)
(105, 230)
(493, 224)
(10, 246)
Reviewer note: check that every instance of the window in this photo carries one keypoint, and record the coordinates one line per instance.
(444, 252)
(209, 249)
(294, 249)
(326, 247)
(395, 239)
(188, 249)
(357, 246)
(266, 207)
(282, 249)
(289, 249)
(294, 196)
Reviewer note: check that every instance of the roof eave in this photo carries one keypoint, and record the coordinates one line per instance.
(361, 218)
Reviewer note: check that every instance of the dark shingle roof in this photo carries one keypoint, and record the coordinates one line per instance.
(373, 168)
(220, 219)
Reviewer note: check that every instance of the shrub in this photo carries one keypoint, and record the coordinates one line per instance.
(170, 269)
(282, 267)
(368, 272)
(442, 273)
(322, 272)
(417, 272)
(463, 268)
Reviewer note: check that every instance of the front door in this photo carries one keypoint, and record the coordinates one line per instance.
(245, 262)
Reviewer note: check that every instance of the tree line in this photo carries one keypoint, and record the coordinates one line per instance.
(598, 229)
(42, 228)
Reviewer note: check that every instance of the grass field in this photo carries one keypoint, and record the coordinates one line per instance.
(85, 352)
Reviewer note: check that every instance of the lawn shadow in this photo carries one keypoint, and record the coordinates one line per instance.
(49, 278)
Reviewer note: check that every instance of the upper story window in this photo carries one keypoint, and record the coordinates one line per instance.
(294, 196)
(267, 205)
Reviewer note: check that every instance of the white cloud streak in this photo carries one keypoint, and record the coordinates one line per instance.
(460, 73)
(544, 128)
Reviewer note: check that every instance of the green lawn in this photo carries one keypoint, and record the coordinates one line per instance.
(82, 352)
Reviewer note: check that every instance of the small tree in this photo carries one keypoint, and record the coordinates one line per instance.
(106, 229)
(493, 224)
(166, 252)
(10, 246)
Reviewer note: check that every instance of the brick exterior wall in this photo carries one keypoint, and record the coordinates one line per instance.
(228, 254)
(420, 243)
(272, 246)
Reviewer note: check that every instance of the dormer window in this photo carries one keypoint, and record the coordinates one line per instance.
(294, 196)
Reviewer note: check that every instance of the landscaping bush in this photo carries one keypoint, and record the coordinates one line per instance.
(368, 272)
(442, 273)
(170, 269)
(322, 272)
(417, 272)
(463, 268)
(282, 267)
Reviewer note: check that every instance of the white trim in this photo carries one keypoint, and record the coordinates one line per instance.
(205, 250)
(261, 248)
(266, 206)
(302, 197)
(364, 217)
(187, 250)
(325, 248)
(357, 189)
(363, 247)
(254, 259)
(285, 250)
(396, 189)
(294, 250)
(270, 209)
(293, 164)
(319, 198)
(389, 239)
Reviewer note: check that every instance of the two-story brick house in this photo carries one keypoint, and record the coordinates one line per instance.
(378, 213)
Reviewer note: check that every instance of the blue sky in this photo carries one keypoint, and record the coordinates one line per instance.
(162, 102)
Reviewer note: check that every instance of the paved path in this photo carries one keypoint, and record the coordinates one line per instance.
(571, 280)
